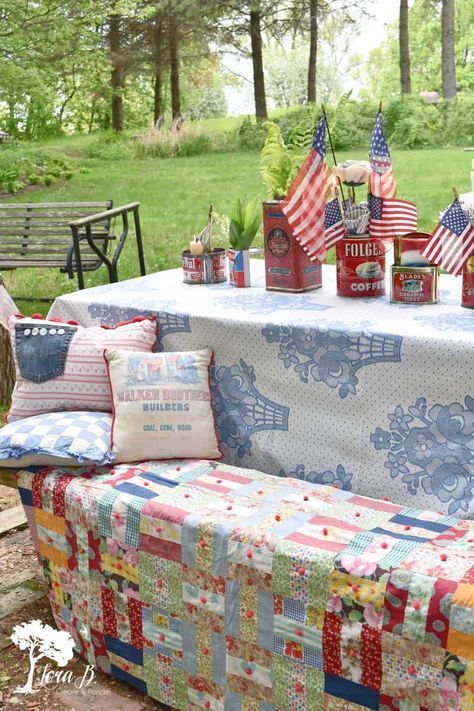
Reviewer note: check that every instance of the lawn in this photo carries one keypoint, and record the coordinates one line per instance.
(175, 196)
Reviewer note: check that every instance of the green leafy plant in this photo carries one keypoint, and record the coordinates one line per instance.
(245, 219)
(275, 162)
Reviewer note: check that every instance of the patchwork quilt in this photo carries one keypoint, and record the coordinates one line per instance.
(207, 586)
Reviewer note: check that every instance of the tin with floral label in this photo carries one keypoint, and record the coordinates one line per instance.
(467, 299)
(360, 266)
(208, 268)
(287, 266)
(415, 285)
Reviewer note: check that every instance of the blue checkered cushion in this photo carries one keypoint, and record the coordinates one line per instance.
(57, 437)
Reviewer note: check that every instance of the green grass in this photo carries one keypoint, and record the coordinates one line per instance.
(175, 195)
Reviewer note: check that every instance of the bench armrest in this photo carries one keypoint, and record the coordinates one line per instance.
(85, 224)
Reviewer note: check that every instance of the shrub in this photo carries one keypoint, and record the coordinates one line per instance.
(109, 145)
(250, 136)
(21, 166)
(458, 121)
(187, 139)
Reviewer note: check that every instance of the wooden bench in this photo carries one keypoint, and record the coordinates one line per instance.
(74, 236)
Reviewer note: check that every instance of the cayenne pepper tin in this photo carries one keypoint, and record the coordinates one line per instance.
(467, 298)
(204, 268)
(287, 266)
(360, 266)
(415, 285)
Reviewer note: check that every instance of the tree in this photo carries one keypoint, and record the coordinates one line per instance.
(257, 62)
(448, 48)
(405, 78)
(116, 78)
(41, 641)
(313, 50)
(173, 37)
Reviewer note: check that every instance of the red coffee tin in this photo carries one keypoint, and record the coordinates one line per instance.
(415, 285)
(467, 298)
(287, 266)
(360, 266)
(204, 268)
(408, 250)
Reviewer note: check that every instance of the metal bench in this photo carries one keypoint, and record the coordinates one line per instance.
(74, 236)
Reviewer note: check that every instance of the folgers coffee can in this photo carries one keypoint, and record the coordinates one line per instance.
(408, 250)
(467, 298)
(415, 285)
(287, 266)
(208, 268)
(360, 266)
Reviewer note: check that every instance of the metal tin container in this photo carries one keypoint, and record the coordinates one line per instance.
(239, 267)
(414, 285)
(287, 266)
(467, 298)
(205, 268)
(360, 266)
(408, 250)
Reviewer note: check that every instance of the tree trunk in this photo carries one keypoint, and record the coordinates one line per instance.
(257, 62)
(117, 73)
(448, 45)
(313, 50)
(7, 367)
(174, 67)
(158, 83)
(405, 77)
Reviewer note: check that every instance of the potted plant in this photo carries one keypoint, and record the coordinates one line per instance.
(245, 220)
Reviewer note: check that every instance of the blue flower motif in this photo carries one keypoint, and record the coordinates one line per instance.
(240, 409)
(396, 464)
(340, 479)
(330, 354)
(432, 448)
(399, 421)
(381, 438)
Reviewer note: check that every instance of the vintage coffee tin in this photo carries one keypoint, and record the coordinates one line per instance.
(467, 298)
(239, 267)
(408, 250)
(204, 268)
(287, 266)
(414, 285)
(360, 266)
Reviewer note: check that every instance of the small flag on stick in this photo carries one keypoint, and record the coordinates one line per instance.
(305, 201)
(452, 242)
(381, 180)
(390, 217)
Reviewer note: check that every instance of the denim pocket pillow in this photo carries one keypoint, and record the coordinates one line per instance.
(63, 438)
(60, 366)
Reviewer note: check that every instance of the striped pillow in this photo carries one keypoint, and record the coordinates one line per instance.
(60, 366)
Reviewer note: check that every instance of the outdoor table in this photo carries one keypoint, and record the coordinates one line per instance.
(373, 397)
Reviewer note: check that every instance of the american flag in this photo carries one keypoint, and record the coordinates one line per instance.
(452, 242)
(334, 222)
(391, 217)
(381, 181)
(304, 204)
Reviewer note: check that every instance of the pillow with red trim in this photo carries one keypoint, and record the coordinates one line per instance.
(162, 406)
(60, 366)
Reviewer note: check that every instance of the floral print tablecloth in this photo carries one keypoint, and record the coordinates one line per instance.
(372, 397)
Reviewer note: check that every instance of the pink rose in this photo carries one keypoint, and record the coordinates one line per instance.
(334, 603)
(450, 696)
(357, 565)
(372, 617)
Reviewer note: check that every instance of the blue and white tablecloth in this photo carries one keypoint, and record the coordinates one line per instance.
(373, 397)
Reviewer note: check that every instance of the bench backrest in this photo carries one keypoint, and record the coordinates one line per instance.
(35, 231)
